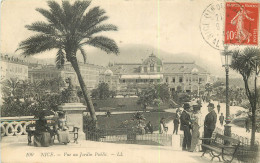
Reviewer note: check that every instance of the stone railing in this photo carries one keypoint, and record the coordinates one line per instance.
(12, 126)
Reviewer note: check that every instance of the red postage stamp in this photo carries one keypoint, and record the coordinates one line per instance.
(241, 24)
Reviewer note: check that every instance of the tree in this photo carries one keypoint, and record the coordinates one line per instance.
(247, 63)
(101, 92)
(22, 98)
(208, 88)
(69, 27)
(155, 93)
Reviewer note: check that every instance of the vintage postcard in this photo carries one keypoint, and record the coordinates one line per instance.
(130, 81)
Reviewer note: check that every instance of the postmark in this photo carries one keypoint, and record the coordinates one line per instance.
(241, 23)
(212, 25)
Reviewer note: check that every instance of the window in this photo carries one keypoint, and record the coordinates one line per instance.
(151, 67)
(180, 79)
(166, 79)
(173, 79)
(158, 69)
(145, 69)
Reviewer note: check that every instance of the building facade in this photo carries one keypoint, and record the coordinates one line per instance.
(180, 76)
(12, 67)
(90, 73)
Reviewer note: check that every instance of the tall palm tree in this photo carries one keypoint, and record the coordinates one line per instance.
(69, 27)
(245, 63)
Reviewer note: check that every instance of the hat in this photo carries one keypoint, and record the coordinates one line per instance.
(186, 106)
(211, 105)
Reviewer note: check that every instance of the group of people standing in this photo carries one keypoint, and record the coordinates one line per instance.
(191, 125)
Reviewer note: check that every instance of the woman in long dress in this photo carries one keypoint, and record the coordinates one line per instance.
(63, 132)
(42, 136)
(196, 125)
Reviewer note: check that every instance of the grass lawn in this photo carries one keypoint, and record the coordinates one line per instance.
(115, 121)
(122, 104)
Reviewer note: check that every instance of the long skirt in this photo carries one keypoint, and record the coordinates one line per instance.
(42, 139)
(63, 137)
(195, 137)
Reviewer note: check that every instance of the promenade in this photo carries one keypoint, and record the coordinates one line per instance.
(16, 150)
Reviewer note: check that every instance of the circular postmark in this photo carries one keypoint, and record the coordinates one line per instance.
(212, 25)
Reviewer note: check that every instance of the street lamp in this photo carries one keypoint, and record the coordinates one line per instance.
(226, 58)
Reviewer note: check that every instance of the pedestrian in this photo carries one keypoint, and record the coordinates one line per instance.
(176, 123)
(209, 123)
(185, 127)
(221, 119)
(63, 129)
(247, 121)
(196, 125)
(42, 136)
(218, 107)
(149, 127)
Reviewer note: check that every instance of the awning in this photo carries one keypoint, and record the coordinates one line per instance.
(155, 76)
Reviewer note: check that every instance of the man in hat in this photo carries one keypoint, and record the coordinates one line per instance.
(185, 127)
(209, 123)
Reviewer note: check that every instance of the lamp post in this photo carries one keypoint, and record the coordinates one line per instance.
(226, 58)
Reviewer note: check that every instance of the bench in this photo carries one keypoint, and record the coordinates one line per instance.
(221, 146)
(75, 132)
(30, 129)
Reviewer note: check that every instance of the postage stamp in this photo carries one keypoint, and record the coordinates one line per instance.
(241, 23)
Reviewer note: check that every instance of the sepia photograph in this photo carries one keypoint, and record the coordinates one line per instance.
(145, 81)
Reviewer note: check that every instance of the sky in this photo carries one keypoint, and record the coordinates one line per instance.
(169, 25)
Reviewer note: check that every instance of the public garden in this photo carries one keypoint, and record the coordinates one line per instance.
(111, 124)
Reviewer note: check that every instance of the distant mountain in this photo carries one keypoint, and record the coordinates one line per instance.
(134, 53)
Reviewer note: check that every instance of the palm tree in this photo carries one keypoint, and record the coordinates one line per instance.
(11, 88)
(245, 63)
(69, 27)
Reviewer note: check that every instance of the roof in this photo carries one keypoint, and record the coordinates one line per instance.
(172, 67)
(152, 59)
(125, 68)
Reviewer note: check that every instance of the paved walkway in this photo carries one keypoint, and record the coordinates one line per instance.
(15, 150)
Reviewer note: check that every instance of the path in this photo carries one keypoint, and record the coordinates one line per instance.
(89, 151)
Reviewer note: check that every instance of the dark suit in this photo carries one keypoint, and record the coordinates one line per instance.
(185, 126)
(176, 123)
(209, 125)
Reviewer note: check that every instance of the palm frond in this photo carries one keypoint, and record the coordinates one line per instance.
(58, 14)
(106, 44)
(93, 17)
(51, 19)
(37, 44)
(60, 59)
(101, 28)
(68, 11)
(84, 54)
(42, 27)
(244, 61)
